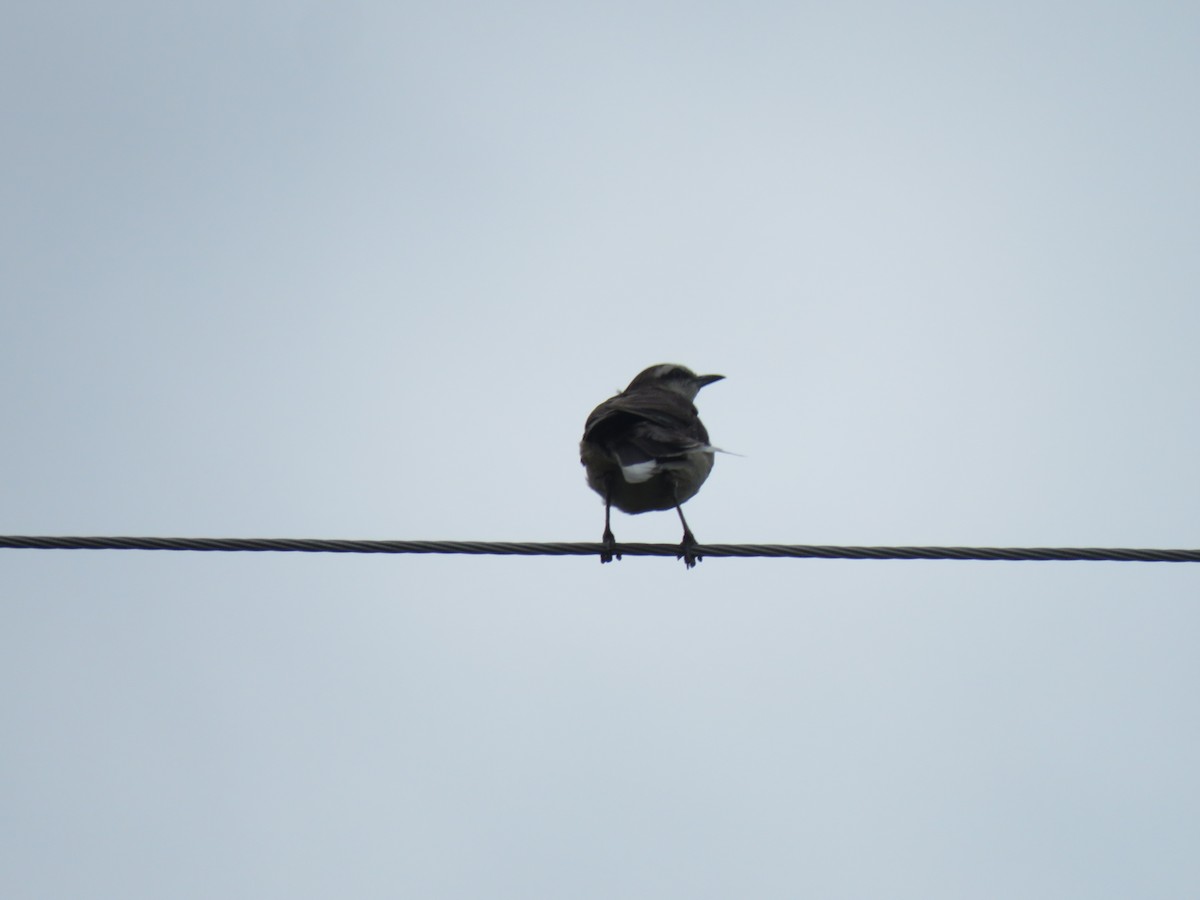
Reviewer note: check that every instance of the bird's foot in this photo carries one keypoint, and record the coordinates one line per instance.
(687, 550)
(608, 551)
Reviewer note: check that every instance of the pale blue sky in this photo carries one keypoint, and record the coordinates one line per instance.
(362, 271)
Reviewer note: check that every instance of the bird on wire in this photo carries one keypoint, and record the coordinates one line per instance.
(646, 449)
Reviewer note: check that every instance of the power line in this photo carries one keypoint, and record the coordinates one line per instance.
(502, 548)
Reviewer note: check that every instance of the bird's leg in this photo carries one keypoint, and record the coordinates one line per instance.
(608, 551)
(687, 550)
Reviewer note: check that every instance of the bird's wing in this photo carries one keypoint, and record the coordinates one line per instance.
(646, 426)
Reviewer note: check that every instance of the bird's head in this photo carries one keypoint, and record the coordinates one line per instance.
(672, 377)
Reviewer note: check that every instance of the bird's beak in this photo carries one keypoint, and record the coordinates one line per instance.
(705, 380)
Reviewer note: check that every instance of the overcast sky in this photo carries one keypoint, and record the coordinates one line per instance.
(361, 270)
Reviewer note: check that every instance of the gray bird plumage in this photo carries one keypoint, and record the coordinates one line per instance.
(646, 449)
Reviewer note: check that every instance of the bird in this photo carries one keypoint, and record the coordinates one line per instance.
(646, 449)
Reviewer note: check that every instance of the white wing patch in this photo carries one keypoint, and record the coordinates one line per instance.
(636, 473)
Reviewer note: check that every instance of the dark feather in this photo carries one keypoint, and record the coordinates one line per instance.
(646, 424)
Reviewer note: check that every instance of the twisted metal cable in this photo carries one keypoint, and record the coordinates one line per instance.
(504, 548)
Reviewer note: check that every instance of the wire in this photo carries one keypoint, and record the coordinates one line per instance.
(501, 548)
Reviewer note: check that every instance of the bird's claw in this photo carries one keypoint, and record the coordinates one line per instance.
(608, 549)
(687, 551)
